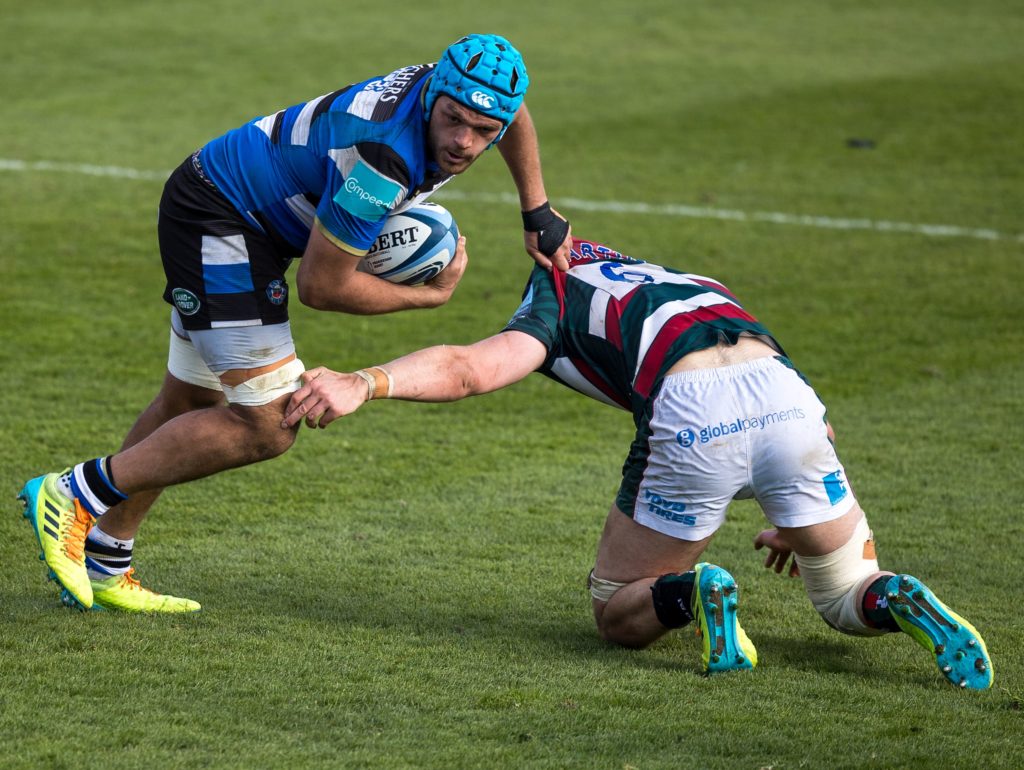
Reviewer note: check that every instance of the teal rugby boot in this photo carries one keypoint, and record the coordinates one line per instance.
(726, 647)
(959, 650)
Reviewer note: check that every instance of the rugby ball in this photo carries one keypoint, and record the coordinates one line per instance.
(416, 244)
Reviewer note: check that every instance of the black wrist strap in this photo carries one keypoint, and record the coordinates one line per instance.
(551, 229)
(537, 219)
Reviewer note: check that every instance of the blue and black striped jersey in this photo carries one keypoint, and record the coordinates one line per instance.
(346, 159)
(614, 325)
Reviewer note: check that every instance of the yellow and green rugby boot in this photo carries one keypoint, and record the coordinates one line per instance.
(61, 526)
(959, 650)
(726, 646)
(124, 594)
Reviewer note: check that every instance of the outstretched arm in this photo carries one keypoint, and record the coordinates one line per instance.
(521, 151)
(441, 373)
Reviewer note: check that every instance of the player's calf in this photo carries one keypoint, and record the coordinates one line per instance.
(707, 594)
(854, 597)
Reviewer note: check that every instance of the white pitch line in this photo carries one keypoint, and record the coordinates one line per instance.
(83, 168)
(614, 207)
(774, 217)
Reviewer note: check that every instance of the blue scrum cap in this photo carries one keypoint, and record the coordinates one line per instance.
(483, 72)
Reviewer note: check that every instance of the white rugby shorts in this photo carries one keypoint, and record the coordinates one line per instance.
(199, 357)
(755, 429)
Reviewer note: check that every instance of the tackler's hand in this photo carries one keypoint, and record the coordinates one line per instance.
(324, 397)
(779, 552)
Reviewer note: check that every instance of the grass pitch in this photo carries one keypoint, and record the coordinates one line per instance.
(406, 588)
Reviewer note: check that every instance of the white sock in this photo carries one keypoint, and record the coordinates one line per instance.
(105, 555)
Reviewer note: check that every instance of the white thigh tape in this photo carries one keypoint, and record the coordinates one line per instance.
(267, 387)
(602, 590)
(833, 581)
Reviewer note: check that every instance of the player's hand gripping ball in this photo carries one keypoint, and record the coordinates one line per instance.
(415, 245)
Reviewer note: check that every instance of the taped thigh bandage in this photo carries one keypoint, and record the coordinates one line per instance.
(266, 387)
(834, 581)
(185, 363)
(671, 595)
(602, 590)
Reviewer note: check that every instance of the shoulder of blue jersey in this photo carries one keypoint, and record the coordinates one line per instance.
(415, 244)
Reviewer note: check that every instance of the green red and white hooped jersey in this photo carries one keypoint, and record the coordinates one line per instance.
(613, 325)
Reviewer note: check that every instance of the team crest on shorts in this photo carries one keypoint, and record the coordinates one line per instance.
(186, 302)
(277, 291)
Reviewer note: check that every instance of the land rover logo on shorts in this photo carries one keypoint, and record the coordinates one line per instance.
(186, 302)
(277, 291)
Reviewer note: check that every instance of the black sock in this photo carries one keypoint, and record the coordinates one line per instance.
(672, 595)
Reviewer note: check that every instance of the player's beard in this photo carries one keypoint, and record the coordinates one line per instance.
(453, 161)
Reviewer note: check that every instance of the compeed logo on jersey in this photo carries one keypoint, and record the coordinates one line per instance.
(366, 193)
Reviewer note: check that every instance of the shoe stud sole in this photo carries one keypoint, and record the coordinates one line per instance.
(69, 601)
(954, 644)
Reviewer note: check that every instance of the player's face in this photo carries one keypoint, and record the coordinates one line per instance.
(458, 135)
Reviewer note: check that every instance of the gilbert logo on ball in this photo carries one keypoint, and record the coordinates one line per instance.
(415, 245)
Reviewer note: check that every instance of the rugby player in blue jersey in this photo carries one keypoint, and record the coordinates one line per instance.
(316, 181)
(720, 413)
